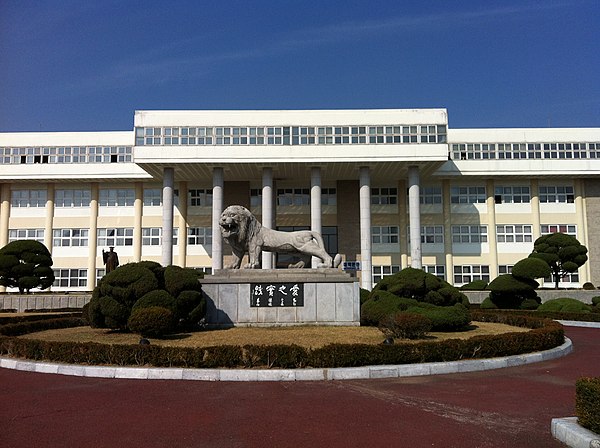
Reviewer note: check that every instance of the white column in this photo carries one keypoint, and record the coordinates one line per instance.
(217, 209)
(366, 275)
(167, 223)
(4, 215)
(137, 221)
(492, 241)
(584, 271)
(535, 210)
(447, 212)
(315, 206)
(48, 227)
(93, 237)
(267, 211)
(182, 227)
(414, 213)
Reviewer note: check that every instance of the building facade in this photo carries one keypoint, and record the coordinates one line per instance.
(386, 188)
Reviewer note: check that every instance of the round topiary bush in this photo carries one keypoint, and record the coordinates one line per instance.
(404, 325)
(487, 304)
(158, 297)
(384, 304)
(381, 304)
(364, 295)
(508, 291)
(588, 286)
(128, 283)
(154, 321)
(475, 285)
(444, 318)
(178, 279)
(421, 286)
(565, 305)
(135, 286)
(531, 268)
(529, 304)
(26, 264)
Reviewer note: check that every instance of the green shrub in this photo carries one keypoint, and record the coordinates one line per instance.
(364, 295)
(157, 269)
(178, 279)
(25, 264)
(115, 314)
(596, 300)
(531, 268)
(186, 301)
(487, 304)
(444, 318)
(566, 305)
(128, 283)
(158, 297)
(529, 304)
(404, 325)
(588, 286)
(475, 285)
(381, 304)
(141, 285)
(587, 403)
(508, 291)
(154, 321)
(384, 304)
(422, 286)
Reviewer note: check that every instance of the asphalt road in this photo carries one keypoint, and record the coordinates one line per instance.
(501, 408)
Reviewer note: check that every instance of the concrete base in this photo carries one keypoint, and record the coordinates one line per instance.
(331, 297)
(569, 432)
(41, 301)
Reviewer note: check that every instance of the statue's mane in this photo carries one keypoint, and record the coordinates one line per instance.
(249, 225)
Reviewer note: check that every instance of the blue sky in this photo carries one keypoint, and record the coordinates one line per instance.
(77, 65)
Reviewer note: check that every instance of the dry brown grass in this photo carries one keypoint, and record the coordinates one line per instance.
(306, 336)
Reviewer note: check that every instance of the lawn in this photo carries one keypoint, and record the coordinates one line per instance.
(306, 336)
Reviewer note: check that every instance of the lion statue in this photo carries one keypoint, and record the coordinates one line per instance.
(244, 233)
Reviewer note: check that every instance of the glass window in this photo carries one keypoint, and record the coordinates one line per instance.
(469, 234)
(26, 234)
(468, 273)
(514, 233)
(116, 197)
(70, 278)
(72, 198)
(199, 236)
(119, 236)
(384, 196)
(381, 271)
(384, 234)
(467, 195)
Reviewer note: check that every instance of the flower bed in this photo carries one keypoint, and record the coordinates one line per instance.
(544, 334)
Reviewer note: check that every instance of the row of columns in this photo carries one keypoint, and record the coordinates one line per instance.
(315, 214)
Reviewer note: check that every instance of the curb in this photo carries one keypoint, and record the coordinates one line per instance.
(569, 432)
(576, 323)
(342, 373)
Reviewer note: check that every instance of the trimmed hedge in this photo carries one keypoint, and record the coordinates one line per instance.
(545, 334)
(565, 304)
(587, 403)
(405, 326)
(582, 317)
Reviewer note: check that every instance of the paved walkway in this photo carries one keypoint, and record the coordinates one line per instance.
(501, 408)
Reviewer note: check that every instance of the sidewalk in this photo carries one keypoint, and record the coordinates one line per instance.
(500, 408)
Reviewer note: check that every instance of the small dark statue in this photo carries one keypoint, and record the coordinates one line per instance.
(111, 259)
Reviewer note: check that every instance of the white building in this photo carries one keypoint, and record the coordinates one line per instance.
(388, 188)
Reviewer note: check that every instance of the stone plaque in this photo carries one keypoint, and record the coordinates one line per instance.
(276, 294)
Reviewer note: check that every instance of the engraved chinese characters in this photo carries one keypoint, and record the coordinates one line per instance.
(276, 294)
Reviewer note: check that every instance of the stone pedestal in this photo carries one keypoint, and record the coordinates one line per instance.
(329, 297)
